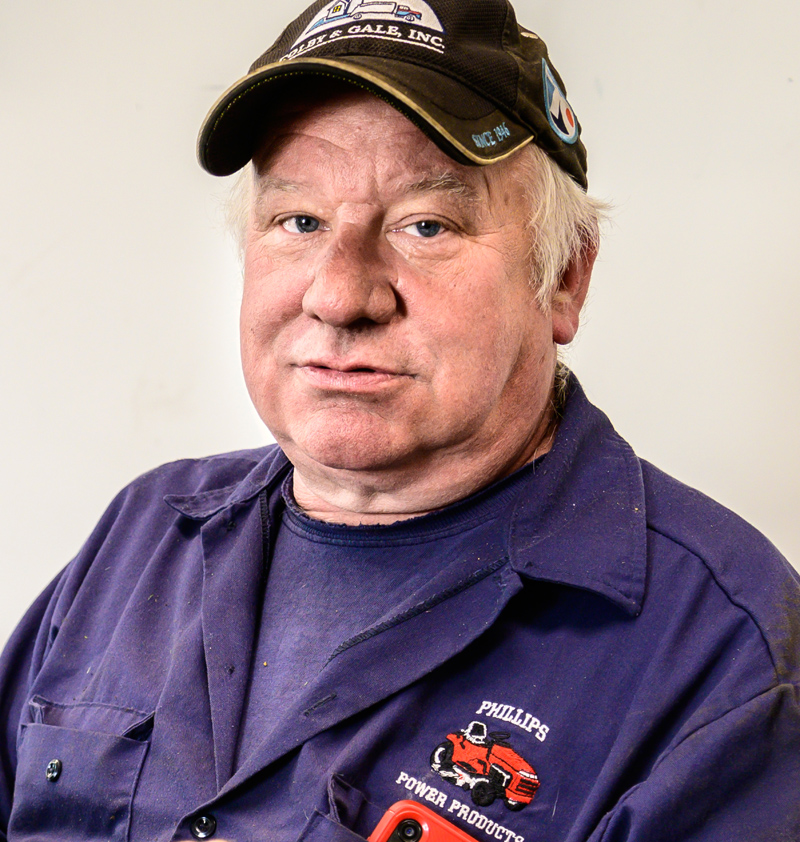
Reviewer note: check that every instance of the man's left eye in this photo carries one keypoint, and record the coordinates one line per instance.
(426, 228)
(301, 224)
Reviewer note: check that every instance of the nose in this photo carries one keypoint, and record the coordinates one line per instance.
(353, 281)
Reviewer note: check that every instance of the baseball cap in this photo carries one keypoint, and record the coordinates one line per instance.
(478, 84)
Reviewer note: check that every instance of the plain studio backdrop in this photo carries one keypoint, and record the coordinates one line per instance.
(118, 310)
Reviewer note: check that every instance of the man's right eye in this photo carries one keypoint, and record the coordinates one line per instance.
(301, 224)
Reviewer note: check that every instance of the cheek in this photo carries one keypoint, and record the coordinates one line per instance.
(266, 315)
(252, 328)
(271, 298)
(471, 356)
(498, 340)
(261, 334)
(485, 319)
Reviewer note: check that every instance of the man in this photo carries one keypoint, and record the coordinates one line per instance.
(452, 581)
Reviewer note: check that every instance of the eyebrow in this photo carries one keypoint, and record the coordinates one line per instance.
(446, 182)
(271, 182)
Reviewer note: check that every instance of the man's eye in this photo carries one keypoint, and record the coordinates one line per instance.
(301, 224)
(426, 228)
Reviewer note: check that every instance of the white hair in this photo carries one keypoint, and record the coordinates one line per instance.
(563, 224)
(564, 221)
(237, 207)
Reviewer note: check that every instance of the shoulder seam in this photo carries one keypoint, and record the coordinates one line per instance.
(772, 687)
(668, 753)
(727, 593)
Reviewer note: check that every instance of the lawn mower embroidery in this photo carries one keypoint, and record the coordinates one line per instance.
(486, 765)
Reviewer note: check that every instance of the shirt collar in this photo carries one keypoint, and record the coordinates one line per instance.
(205, 504)
(585, 524)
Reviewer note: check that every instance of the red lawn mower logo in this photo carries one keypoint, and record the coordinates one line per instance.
(487, 766)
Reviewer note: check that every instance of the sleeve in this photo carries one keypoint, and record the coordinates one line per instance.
(27, 649)
(19, 664)
(737, 777)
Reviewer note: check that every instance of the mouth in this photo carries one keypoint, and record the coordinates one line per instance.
(348, 377)
(356, 369)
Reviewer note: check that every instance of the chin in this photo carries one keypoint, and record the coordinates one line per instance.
(351, 444)
(343, 453)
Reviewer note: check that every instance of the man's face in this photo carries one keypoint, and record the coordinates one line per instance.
(388, 322)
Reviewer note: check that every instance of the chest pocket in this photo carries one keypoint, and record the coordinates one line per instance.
(77, 770)
(349, 808)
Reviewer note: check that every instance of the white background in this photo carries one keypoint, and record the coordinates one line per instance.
(118, 288)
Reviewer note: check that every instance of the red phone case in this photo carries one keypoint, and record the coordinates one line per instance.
(434, 827)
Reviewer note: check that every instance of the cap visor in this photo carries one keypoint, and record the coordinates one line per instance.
(478, 134)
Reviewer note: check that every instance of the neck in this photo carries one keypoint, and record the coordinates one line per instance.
(382, 497)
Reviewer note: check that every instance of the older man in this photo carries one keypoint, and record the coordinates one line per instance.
(451, 581)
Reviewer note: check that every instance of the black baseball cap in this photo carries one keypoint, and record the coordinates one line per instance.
(475, 82)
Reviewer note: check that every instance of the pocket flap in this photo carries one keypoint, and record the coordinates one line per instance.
(89, 716)
(74, 784)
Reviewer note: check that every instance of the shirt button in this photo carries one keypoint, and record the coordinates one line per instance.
(53, 771)
(204, 827)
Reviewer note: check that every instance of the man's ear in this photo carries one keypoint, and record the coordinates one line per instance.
(566, 306)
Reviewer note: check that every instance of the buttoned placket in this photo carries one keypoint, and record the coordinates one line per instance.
(450, 615)
(454, 609)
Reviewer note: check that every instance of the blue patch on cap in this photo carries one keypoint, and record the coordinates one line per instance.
(559, 112)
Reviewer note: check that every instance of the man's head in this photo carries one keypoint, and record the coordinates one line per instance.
(402, 306)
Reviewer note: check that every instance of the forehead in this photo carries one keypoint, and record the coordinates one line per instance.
(353, 137)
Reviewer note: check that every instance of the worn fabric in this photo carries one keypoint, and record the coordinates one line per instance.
(619, 661)
(326, 582)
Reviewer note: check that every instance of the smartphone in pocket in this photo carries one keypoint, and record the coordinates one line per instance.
(409, 821)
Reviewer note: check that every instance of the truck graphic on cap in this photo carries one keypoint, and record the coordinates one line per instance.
(486, 765)
(357, 9)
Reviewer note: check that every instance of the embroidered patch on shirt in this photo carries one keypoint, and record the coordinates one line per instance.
(474, 818)
(485, 763)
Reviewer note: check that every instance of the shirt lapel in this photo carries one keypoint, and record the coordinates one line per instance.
(428, 629)
(233, 582)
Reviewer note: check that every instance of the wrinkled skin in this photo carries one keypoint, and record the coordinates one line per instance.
(391, 339)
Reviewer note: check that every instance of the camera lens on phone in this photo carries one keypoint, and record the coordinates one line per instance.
(409, 831)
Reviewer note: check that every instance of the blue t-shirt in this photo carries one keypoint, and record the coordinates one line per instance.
(320, 572)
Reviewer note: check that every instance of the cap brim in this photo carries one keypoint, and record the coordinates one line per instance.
(478, 134)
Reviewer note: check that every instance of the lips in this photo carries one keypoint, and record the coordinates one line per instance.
(351, 369)
(356, 376)
(346, 366)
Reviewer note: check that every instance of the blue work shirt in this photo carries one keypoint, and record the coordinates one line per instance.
(619, 662)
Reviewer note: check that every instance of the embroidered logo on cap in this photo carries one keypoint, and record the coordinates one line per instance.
(372, 19)
(559, 112)
(484, 763)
